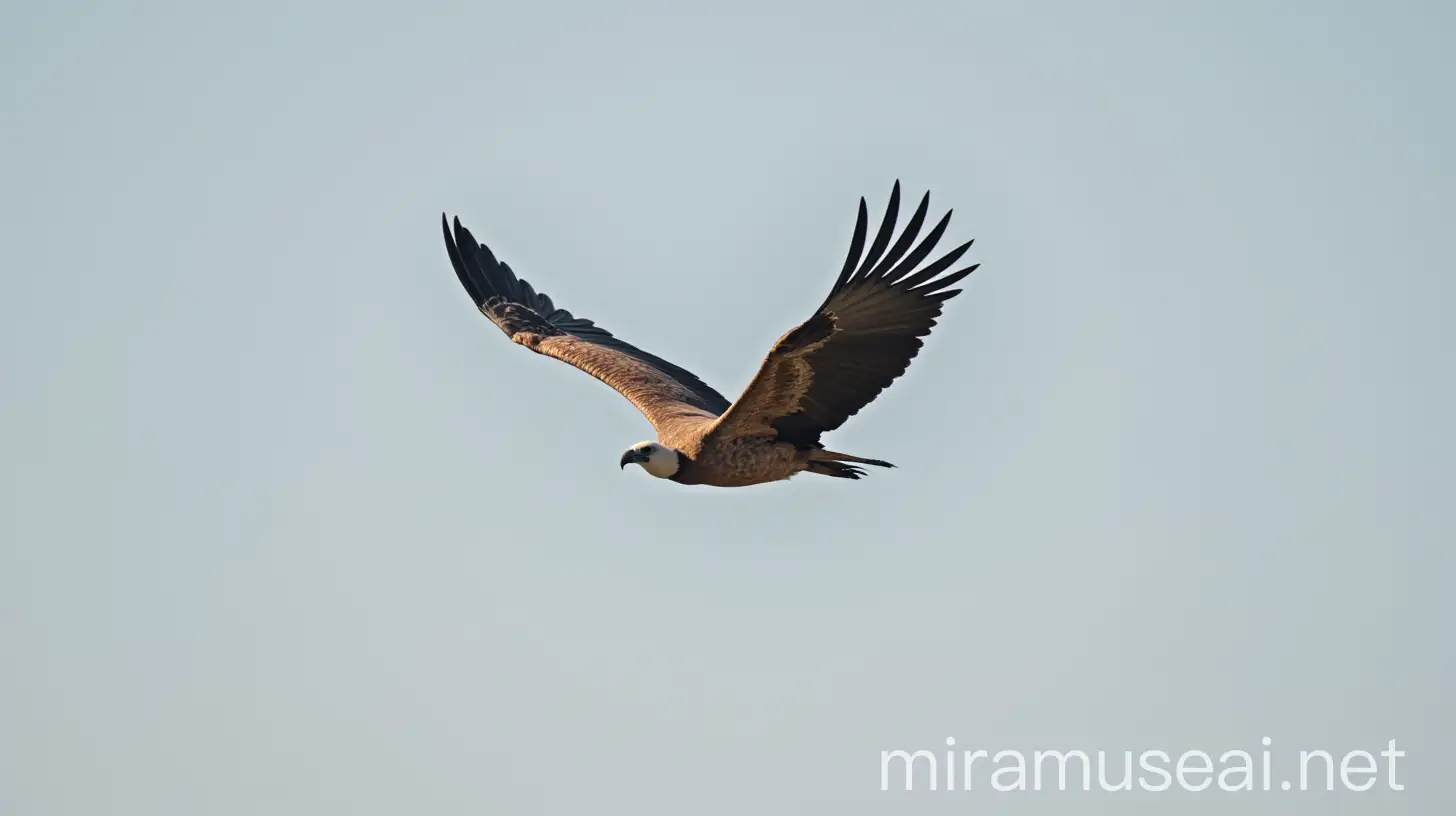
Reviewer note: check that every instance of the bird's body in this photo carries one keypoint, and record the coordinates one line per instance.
(733, 461)
(815, 377)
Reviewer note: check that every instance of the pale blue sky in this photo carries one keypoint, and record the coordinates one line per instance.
(288, 528)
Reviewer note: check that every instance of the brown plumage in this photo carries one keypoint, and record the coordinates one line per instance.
(814, 378)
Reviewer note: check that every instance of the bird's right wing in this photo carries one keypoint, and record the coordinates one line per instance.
(663, 392)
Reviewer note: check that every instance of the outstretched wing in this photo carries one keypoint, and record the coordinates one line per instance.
(860, 340)
(663, 392)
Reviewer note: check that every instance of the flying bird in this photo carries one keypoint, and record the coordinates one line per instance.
(822, 372)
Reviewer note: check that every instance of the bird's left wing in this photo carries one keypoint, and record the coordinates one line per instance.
(860, 339)
(663, 392)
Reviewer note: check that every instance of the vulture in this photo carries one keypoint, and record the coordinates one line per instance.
(815, 377)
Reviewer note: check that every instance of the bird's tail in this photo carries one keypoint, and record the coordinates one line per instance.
(830, 463)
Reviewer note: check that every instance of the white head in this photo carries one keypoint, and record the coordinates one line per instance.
(655, 458)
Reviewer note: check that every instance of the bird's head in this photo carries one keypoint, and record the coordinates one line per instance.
(655, 458)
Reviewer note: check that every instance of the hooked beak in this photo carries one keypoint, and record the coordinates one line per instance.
(631, 457)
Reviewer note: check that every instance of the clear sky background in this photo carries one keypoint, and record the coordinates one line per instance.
(288, 528)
